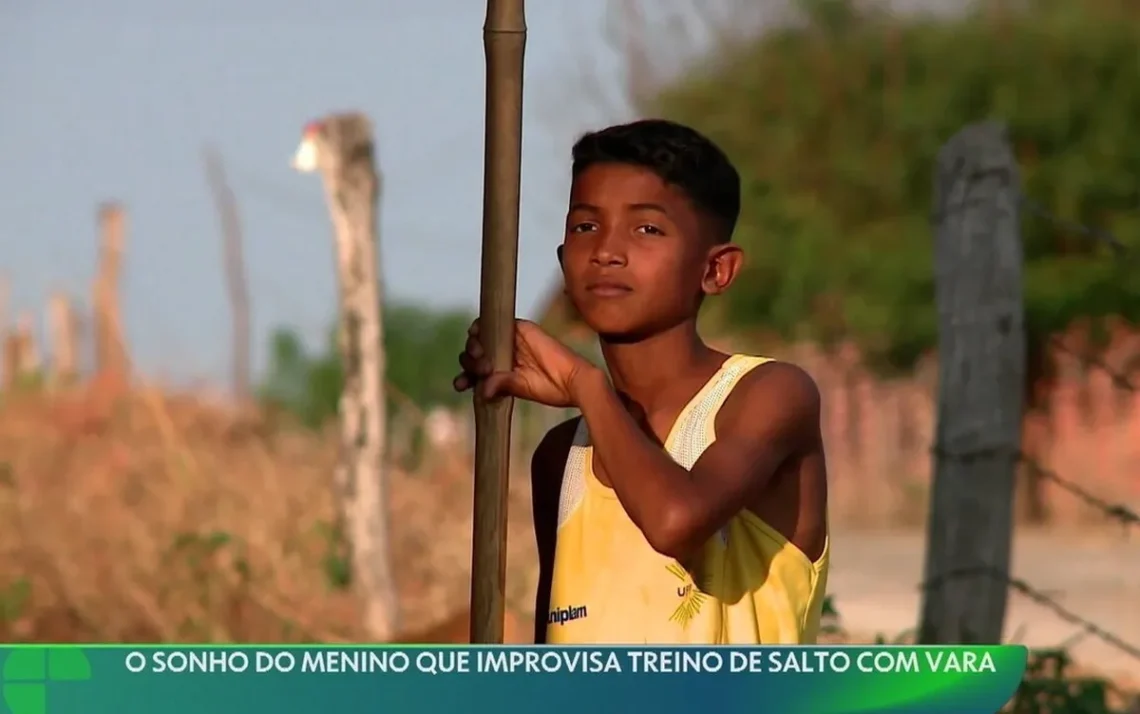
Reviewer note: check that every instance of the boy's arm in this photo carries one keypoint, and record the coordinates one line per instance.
(772, 415)
(547, 466)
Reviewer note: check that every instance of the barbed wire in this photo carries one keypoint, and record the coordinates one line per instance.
(1116, 512)
(1097, 234)
(1119, 379)
(1039, 597)
(1122, 381)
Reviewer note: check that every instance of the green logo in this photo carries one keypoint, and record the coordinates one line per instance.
(29, 673)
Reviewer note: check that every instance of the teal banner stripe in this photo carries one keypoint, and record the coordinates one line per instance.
(123, 679)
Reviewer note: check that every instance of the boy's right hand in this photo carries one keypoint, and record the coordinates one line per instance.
(544, 369)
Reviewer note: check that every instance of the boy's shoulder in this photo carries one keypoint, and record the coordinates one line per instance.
(772, 374)
(772, 389)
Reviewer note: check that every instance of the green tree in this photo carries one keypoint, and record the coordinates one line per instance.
(421, 344)
(835, 124)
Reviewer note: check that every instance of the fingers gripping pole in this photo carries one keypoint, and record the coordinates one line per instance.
(504, 42)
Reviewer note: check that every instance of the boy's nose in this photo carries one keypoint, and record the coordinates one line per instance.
(609, 249)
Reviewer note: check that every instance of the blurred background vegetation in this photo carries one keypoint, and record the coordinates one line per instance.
(422, 346)
(835, 122)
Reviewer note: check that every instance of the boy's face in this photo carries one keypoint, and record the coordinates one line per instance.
(636, 256)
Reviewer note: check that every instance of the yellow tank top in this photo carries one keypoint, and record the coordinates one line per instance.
(750, 585)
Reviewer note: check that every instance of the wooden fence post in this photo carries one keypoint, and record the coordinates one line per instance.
(10, 366)
(63, 330)
(8, 353)
(981, 354)
(234, 263)
(29, 360)
(5, 304)
(341, 149)
(111, 355)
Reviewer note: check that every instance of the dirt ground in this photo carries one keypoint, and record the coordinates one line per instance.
(874, 581)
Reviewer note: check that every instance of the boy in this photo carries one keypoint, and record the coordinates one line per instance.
(688, 503)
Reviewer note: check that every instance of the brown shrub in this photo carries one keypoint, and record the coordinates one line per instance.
(143, 517)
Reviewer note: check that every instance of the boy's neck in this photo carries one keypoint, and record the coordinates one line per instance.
(648, 370)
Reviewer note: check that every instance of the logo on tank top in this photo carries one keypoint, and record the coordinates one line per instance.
(562, 615)
(692, 599)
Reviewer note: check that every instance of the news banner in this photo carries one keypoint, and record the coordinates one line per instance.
(123, 679)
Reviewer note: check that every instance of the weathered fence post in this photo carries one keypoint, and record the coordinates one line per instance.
(111, 354)
(981, 353)
(5, 303)
(21, 354)
(10, 361)
(341, 148)
(63, 331)
(234, 263)
(8, 354)
(29, 360)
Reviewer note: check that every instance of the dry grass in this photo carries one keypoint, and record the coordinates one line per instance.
(147, 517)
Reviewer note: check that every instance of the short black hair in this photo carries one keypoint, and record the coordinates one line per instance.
(679, 155)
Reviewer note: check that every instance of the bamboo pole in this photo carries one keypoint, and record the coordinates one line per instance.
(504, 44)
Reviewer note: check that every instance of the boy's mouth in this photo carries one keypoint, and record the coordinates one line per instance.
(608, 288)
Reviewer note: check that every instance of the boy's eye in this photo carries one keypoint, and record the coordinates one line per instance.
(651, 230)
(582, 227)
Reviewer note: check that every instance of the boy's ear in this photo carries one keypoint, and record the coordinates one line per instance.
(560, 263)
(723, 264)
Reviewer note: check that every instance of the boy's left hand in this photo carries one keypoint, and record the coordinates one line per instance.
(544, 369)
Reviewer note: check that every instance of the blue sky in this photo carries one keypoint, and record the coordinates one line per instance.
(116, 100)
